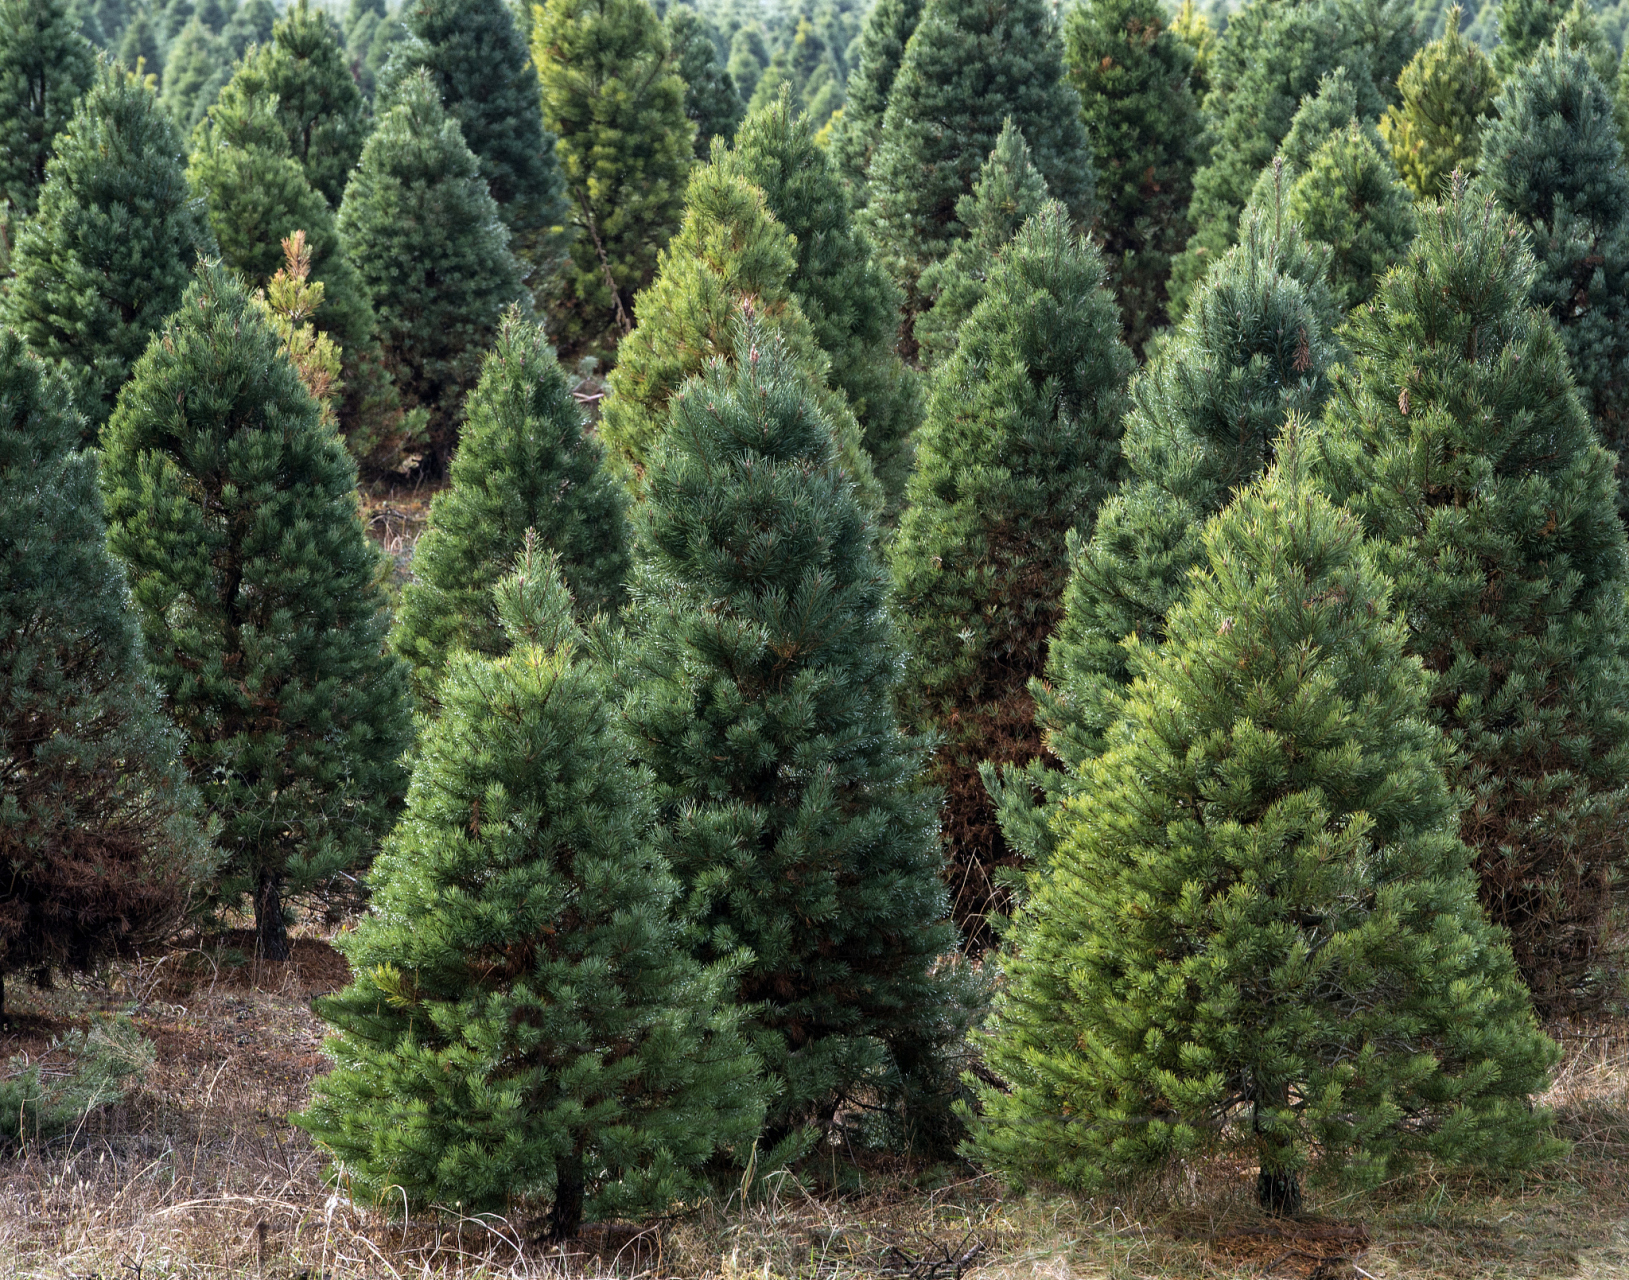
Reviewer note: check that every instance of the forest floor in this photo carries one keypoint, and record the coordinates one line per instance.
(198, 1173)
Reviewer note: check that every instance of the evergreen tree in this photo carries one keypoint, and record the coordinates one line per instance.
(97, 832)
(1460, 440)
(1133, 78)
(888, 30)
(109, 255)
(968, 68)
(522, 1027)
(45, 64)
(192, 74)
(614, 99)
(729, 252)
(433, 255)
(805, 68)
(1447, 96)
(1584, 34)
(851, 304)
(1620, 101)
(749, 56)
(1525, 26)
(140, 51)
(1552, 157)
(233, 507)
(251, 23)
(524, 462)
(1258, 904)
(759, 673)
(318, 104)
(1193, 28)
(1020, 445)
(1008, 192)
(710, 99)
(481, 68)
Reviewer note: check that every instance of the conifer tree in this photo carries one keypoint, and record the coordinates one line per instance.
(109, 254)
(730, 251)
(45, 64)
(233, 507)
(851, 304)
(1620, 101)
(1133, 77)
(192, 74)
(1193, 28)
(1552, 157)
(251, 23)
(318, 104)
(613, 97)
(1008, 192)
(524, 462)
(1259, 934)
(805, 68)
(1460, 440)
(749, 55)
(759, 674)
(141, 52)
(523, 1028)
(1447, 97)
(97, 828)
(433, 255)
(1019, 446)
(888, 29)
(1525, 26)
(483, 72)
(710, 97)
(968, 68)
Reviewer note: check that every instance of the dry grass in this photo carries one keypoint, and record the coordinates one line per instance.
(200, 1175)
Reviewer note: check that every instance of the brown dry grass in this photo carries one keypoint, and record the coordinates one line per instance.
(199, 1175)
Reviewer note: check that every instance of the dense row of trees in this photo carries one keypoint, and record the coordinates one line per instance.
(1130, 497)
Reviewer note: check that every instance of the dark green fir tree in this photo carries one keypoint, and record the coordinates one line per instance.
(45, 64)
(1525, 27)
(1457, 435)
(968, 69)
(1259, 935)
(1021, 444)
(111, 250)
(192, 74)
(710, 97)
(141, 48)
(433, 255)
(251, 23)
(233, 507)
(524, 1034)
(851, 304)
(613, 97)
(888, 29)
(98, 832)
(524, 462)
(1142, 121)
(1447, 97)
(760, 670)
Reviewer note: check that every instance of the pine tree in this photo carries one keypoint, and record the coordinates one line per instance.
(1447, 96)
(805, 68)
(710, 98)
(256, 195)
(1525, 26)
(233, 508)
(524, 462)
(749, 56)
(483, 72)
(1462, 443)
(1008, 192)
(851, 304)
(1259, 934)
(1133, 77)
(1193, 28)
(522, 1028)
(318, 104)
(1020, 445)
(109, 254)
(614, 99)
(140, 51)
(729, 251)
(192, 74)
(251, 23)
(888, 29)
(1552, 157)
(969, 68)
(759, 674)
(433, 255)
(1620, 101)
(97, 826)
(45, 64)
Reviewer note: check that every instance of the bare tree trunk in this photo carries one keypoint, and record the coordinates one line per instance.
(271, 938)
(566, 1216)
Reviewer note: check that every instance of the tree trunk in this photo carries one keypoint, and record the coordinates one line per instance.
(1279, 1193)
(566, 1216)
(271, 938)
(1278, 1186)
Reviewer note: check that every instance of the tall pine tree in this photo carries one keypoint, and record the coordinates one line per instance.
(1525, 27)
(1447, 96)
(45, 64)
(233, 507)
(710, 97)
(888, 29)
(192, 78)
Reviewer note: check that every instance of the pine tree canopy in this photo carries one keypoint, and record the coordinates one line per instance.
(111, 250)
(1259, 933)
(1525, 26)
(1021, 444)
(1447, 96)
(192, 78)
(1460, 440)
(233, 507)
(524, 462)
(760, 670)
(97, 826)
(710, 97)
(888, 29)
(45, 64)
(523, 1027)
